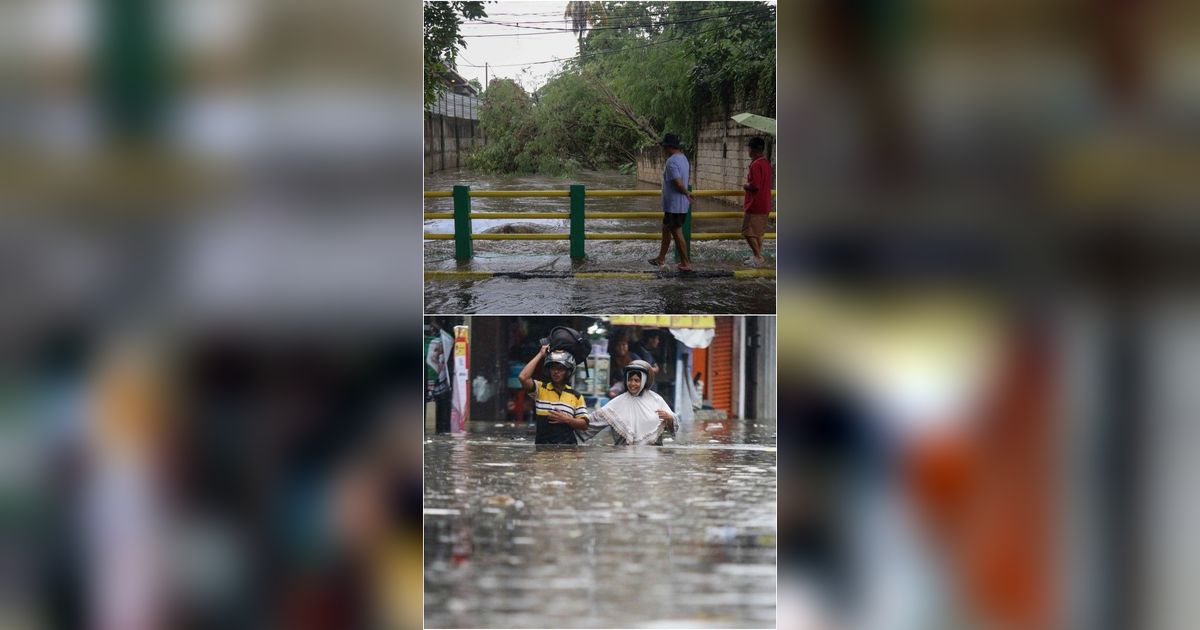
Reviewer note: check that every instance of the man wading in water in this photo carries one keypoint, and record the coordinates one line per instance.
(559, 409)
(675, 202)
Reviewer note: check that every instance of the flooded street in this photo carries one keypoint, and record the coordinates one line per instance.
(554, 295)
(683, 535)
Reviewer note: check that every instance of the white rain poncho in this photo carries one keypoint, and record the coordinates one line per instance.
(633, 419)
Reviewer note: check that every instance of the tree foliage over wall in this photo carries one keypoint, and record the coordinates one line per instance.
(569, 128)
(442, 39)
(647, 68)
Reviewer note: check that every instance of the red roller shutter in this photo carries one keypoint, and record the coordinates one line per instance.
(720, 381)
(700, 366)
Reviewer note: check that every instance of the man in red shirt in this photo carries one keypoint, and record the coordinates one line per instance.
(757, 205)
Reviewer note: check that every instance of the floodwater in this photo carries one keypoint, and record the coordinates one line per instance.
(682, 535)
(667, 294)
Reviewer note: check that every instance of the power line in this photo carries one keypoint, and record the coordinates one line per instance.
(602, 52)
(629, 26)
(610, 17)
(555, 31)
(682, 7)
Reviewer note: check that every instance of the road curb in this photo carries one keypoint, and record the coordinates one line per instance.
(631, 275)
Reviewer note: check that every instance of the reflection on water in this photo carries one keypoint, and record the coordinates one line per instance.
(501, 295)
(518, 535)
(698, 296)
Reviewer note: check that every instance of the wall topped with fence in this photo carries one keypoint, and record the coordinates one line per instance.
(452, 130)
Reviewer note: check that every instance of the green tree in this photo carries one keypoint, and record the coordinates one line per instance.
(668, 59)
(653, 68)
(506, 118)
(581, 15)
(573, 118)
(442, 40)
(734, 53)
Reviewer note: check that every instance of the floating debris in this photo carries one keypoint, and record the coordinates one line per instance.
(502, 500)
(720, 534)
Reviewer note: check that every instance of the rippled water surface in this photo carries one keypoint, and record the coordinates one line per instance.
(683, 535)
(511, 295)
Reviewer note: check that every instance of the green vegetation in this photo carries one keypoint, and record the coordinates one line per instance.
(645, 68)
(442, 39)
(569, 128)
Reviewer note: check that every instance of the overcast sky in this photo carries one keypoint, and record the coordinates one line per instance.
(511, 54)
(527, 46)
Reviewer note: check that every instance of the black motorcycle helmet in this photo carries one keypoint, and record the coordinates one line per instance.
(559, 357)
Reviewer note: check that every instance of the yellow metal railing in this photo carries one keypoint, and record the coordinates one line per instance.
(462, 215)
(429, 194)
(700, 216)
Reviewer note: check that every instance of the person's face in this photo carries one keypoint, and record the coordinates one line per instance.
(558, 373)
(635, 383)
(622, 348)
(652, 342)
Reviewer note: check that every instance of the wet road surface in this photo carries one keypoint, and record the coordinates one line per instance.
(655, 295)
(683, 535)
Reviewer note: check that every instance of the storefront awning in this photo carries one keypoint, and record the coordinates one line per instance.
(665, 321)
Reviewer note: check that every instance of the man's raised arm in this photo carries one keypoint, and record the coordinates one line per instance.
(526, 375)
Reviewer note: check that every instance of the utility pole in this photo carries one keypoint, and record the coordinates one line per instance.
(485, 76)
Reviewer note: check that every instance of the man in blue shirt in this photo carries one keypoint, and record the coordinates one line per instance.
(675, 202)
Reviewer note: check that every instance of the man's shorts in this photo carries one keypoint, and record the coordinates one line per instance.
(674, 219)
(754, 225)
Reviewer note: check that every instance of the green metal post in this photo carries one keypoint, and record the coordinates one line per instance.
(462, 223)
(578, 193)
(687, 232)
(133, 81)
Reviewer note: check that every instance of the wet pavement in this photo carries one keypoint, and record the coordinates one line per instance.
(683, 535)
(653, 295)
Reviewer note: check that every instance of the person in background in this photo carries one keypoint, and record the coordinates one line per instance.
(620, 357)
(439, 346)
(757, 203)
(648, 351)
(622, 354)
(676, 201)
(559, 409)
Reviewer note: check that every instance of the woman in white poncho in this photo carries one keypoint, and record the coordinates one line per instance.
(638, 416)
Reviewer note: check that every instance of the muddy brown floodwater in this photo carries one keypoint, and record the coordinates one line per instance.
(683, 535)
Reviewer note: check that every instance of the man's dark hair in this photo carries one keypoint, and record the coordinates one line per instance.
(758, 144)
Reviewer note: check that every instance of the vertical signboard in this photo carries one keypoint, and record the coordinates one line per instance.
(461, 392)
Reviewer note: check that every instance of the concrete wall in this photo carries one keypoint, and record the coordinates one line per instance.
(448, 140)
(451, 131)
(721, 160)
(650, 165)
